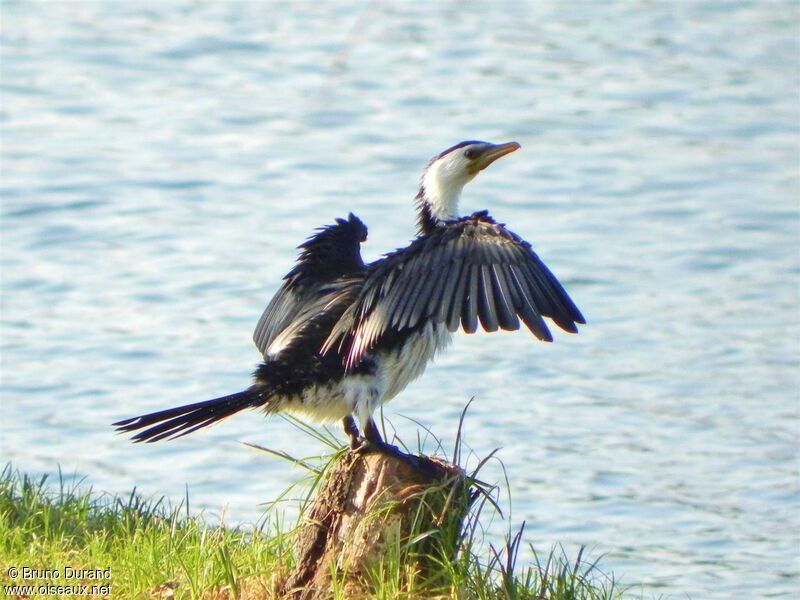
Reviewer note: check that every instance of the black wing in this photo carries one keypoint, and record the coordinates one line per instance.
(334, 251)
(465, 271)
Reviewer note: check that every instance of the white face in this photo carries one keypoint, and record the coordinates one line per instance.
(447, 174)
(444, 179)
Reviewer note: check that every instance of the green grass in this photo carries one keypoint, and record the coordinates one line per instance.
(161, 551)
(147, 544)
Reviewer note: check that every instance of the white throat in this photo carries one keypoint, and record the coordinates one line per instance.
(442, 184)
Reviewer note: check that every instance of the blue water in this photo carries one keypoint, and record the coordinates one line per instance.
(160, 162)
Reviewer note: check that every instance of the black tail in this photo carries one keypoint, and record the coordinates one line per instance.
(181, 420)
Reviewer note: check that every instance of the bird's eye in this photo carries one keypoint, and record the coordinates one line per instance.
(470, 153)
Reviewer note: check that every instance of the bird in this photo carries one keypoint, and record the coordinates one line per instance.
(342, 337)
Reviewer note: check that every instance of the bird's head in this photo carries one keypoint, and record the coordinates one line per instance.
(448, 173)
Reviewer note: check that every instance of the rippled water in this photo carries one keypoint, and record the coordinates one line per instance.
(160, 161)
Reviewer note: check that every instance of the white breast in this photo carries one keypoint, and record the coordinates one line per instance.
(400, 367)
(362, 394)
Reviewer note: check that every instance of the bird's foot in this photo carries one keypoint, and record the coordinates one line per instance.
(419, 463)
(366, 446)
(352, 431)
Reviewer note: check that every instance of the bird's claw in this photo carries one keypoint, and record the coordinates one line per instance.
(366, 446)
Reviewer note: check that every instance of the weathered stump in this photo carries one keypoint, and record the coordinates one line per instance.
(371, 508)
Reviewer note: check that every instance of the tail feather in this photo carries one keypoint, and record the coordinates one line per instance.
(182, 420)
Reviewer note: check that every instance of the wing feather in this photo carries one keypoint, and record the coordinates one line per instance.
(487, 309)
(331, 253)
(419, 272)
(466, 271)
(426, 291)
(435, 298)
(527, 309)
(469, 318)
(281, 310)
(457, 301)
(554, 297)
(506, 315)
(401, 297)
(451, 279)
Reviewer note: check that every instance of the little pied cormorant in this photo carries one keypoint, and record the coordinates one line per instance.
(342, 337)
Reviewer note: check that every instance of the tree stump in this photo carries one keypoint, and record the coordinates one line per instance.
(377, 507)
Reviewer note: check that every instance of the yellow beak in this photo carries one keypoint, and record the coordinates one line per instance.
(491, 154)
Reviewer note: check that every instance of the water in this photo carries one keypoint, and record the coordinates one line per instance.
(160, 161)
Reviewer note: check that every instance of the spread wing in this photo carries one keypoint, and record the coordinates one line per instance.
(286, 315)
(333, 252)
(466, 271)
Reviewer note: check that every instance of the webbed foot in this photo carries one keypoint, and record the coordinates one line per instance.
(373, 442)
